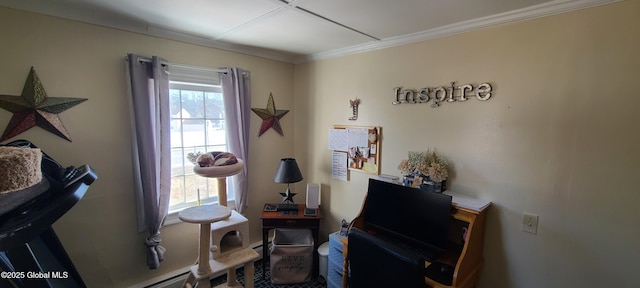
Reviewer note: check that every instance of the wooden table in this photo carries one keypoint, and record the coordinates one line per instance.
(274, 219)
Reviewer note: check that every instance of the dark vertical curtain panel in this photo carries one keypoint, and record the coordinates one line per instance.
(149, 83)
(236, 90)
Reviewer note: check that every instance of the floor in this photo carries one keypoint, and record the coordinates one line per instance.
(266, 283)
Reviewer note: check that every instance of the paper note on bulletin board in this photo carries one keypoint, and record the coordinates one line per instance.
(339, 139)
(342, 139)
(358, 137)
(339, 166)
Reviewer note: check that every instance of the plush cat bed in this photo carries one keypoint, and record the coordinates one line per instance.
(20, 176)
(19, 168)
(218, 165)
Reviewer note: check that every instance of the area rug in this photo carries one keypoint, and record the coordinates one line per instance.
(266, 283)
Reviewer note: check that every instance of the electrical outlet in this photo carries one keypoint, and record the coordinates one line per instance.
(530, 223)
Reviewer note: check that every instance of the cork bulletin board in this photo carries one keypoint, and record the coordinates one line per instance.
(360, 144)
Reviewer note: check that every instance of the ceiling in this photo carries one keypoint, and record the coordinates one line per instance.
(299, 30)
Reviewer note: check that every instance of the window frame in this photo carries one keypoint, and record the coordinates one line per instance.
(188, 80)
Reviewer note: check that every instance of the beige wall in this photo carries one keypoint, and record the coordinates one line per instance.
(559, 138)
(86, 61)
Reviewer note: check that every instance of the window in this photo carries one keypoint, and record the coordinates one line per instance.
(197, 125)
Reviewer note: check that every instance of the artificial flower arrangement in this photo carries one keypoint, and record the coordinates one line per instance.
(427, 167)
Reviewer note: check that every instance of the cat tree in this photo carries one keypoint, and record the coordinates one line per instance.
(224, 234)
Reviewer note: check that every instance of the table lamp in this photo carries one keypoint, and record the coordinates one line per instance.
(288, 172)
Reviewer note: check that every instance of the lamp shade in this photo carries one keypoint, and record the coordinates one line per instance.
(288, 171)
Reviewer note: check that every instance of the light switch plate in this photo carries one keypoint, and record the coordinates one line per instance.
(530, 223)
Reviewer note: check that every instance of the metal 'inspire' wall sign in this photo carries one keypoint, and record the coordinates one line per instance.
(441, 94)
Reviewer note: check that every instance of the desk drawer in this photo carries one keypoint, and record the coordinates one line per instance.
(335, 249)
(336, 266)
(334, 280)
(334, 241)
(290, 223)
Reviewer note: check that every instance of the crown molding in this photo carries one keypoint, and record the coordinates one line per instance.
(537, 11)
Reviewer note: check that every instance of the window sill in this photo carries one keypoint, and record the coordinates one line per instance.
(172, 217)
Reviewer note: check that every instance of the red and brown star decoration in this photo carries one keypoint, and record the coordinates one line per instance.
(33, 108)
(270, 117)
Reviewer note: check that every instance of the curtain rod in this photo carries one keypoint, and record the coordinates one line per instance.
(223, 70)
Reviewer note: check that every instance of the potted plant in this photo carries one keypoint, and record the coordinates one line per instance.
(427, 170)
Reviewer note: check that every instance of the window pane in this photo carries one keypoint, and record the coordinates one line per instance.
(197, 125)
(214, 106)
(193, 133)
(216, 138)
(174, 103)
(177, 191)
(177, 162)
(193, 183)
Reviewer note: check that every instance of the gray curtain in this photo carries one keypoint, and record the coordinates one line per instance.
(236, 91)
(149, 83)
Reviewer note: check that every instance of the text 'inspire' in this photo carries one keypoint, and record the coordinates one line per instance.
(440, 94)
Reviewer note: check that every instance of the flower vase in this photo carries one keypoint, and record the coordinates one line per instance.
(433, 186)
(437, 187)
(407, 180)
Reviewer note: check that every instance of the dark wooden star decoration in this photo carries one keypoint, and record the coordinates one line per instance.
(270, 117)
(33, 108)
